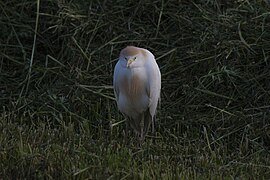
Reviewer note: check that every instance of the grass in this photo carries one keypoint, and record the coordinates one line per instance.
(58, 115)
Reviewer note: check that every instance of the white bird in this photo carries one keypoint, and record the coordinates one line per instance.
(137, 84)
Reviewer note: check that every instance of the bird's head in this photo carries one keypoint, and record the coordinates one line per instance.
(132, 57)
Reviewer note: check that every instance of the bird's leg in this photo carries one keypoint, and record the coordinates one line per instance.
(153, 124)
(142, 129)
(126, 133)
(126, 130)
(147, 122)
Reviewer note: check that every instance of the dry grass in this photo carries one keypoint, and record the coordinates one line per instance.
(58, 115)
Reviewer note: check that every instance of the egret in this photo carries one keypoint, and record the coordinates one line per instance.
(137, 84)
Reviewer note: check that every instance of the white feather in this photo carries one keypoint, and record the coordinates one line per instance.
(137, 88)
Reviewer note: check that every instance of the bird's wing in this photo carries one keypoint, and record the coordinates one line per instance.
(116, 80)
(154, 85)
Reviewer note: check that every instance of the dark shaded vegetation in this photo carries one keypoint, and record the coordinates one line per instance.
(58, 114)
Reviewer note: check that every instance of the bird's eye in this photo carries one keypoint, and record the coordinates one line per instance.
(126, 58)
(135, 58)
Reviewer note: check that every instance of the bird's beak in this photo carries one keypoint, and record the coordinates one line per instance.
(129, 62)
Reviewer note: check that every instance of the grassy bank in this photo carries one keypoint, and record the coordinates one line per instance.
(58, 114)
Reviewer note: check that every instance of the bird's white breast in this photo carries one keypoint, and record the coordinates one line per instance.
(133, 95)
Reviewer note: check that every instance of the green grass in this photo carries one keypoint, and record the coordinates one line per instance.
(58, 115)
(66, 151)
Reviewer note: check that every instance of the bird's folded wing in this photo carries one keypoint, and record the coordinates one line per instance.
(154, 87)
(115, 80)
